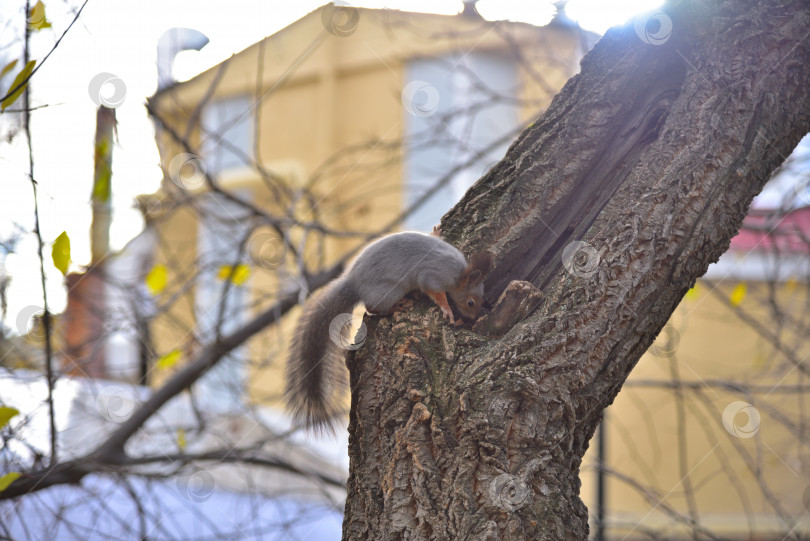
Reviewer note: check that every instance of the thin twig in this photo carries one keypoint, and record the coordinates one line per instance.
(46, 318)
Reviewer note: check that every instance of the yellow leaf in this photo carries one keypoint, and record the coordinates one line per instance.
(169, 360)
(738, 294)
(7, 479)
(61, 252)
(8, 67)
(18, 82)
(238, 275)
(692, 293)
(791, 284)
(156, 279)
(36, 17)
(181, 438)
(6, 414)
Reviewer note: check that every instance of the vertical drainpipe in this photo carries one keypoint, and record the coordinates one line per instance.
(600, 483)
(86, 310)
(170, 44)
(102, 186)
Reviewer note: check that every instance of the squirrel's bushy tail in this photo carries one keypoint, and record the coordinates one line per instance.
(316, 373)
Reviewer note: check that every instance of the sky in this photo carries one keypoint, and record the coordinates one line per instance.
(120, 38)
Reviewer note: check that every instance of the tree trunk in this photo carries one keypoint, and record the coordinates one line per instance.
(611, 204)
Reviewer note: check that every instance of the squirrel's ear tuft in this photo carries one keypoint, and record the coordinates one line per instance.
(474, 278)
(481, 261)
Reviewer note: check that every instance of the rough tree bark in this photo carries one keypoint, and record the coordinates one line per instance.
(651, 156)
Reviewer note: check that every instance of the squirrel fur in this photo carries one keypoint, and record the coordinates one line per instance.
(384, 272)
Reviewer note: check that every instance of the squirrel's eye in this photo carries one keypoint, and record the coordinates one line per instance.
(470, 302)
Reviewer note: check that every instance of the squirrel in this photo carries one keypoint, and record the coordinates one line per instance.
(384, 272)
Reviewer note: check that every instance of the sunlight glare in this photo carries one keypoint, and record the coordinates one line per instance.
(598, 15)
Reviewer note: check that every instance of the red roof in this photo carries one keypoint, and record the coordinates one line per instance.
(774, 231)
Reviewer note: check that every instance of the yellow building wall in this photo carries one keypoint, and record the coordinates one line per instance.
(647, 428)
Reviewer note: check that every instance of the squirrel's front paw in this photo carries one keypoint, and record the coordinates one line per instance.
(440, 298)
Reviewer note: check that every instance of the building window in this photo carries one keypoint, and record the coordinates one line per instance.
(454, 106)
(222, 229)
(227, 133)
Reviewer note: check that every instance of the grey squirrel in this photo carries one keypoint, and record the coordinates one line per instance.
(384, 272)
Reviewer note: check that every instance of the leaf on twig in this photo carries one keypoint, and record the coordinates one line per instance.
(156, 279)
(169, 360)
(181, 439)
(8, 67)
(738, 294)
(238, 275)
(6, 413)
(7, 479)
(61, 252)
(36, 17)
(18, 80)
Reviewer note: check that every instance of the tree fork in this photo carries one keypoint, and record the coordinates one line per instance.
(612, 203)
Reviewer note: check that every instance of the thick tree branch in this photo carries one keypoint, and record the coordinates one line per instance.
(111, 451)
(113, 448)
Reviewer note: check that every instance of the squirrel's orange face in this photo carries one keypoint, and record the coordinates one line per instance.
(469, 294)
(469, 305)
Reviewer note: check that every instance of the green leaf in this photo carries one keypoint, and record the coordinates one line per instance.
(22, 76)
(36, 17)
(169, 360)
(61, 252)
(6, 414)
(8, 67)
(156, 279)
(7, 479)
